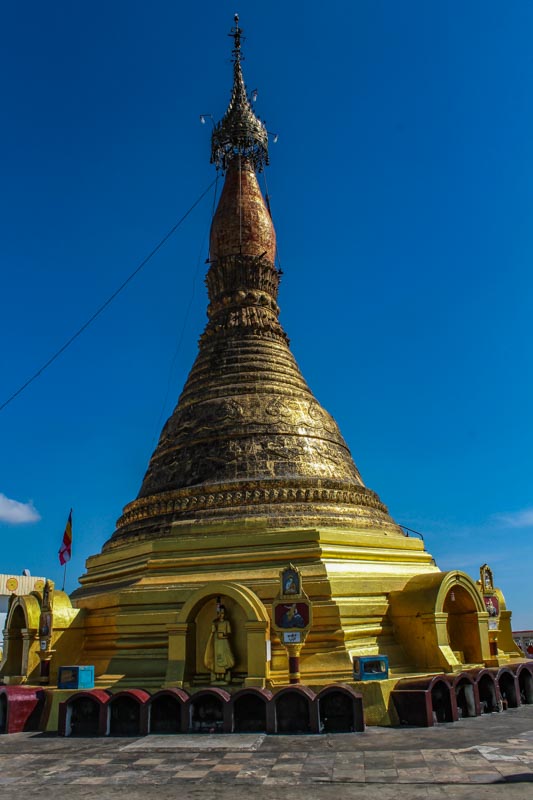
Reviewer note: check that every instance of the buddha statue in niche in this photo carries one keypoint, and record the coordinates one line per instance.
(218, 657)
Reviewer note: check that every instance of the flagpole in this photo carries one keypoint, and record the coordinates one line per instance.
(64, 576)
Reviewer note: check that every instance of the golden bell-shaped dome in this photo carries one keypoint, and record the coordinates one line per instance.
(247, 437)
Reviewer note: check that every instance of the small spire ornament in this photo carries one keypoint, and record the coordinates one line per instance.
(240, 132)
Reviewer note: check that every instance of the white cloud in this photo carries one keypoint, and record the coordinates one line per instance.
(516, 519)
(17, 513)
(470, 560)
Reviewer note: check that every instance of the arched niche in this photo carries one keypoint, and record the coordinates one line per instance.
(462, 624)
(84, 714)
(440, 620)
(208, 711)
(296, 710)
(250, 711)
(488, 691)
(235, 614)
(340, 709)
(21, 655)
(187, 637)
(441, 701)
(509, 689)
(168, 711)
(128, 713)
(466, 695)
(525, 683)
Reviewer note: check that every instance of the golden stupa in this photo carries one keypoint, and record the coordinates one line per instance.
(251, 474)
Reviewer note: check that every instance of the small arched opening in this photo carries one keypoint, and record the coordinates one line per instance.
(441, 702)
(83, 717)
(15, 644)
(488, 697)
(462, 625)
(124, 716)
(336, 712)
(525, 682)
(508, 693)
(292, 712)
(466, 698)
(250, 712)
(84, 713)
(165, 714)
(207, 712)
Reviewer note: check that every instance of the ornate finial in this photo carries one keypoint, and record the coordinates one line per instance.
(236, 33)
(240, 132)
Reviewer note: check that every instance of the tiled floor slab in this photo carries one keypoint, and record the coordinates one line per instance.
(486, 757)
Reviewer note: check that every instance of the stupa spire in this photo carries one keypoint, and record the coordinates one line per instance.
(240, 132)
(247, 437)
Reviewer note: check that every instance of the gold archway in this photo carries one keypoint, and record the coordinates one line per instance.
(182, 633)
(21, 647)
(441, 622)
(21, 662)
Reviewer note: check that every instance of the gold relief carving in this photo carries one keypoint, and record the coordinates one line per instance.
(247, 437)
(268, 330)
(229, 409)
(279, 408)
(251, 456)
(228, 276)
(263, 412)
(182, 501)
(255, 318)
(319, 417)
(253, 298)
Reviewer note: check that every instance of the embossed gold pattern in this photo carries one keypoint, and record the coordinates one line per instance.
(247, 437)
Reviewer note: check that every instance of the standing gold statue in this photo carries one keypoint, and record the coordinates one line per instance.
(218, 657)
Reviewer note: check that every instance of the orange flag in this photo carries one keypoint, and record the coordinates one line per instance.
(65, 551)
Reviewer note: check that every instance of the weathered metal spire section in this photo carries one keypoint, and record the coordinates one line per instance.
(247, 438)
(240, 132)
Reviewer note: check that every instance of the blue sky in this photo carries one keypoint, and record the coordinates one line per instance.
(402, 193)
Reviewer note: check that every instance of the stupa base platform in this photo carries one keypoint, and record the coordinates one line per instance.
(419, 699)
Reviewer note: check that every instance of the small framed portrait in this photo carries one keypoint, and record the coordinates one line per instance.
(487, 582)
(492, 605)
(290, 581)
(45, 623)
(292, 615)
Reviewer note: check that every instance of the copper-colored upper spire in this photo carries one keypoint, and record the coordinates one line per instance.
(242, 224)
(247, 437)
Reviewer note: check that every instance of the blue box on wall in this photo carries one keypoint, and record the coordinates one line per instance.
(370, 668)
(75, 678)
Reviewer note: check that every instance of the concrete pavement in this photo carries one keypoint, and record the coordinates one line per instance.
(484, 757)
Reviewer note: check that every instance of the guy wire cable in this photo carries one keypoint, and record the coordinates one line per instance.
(109, 300)
(186, 317)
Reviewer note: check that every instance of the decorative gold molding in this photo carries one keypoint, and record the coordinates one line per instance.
(316, 505)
